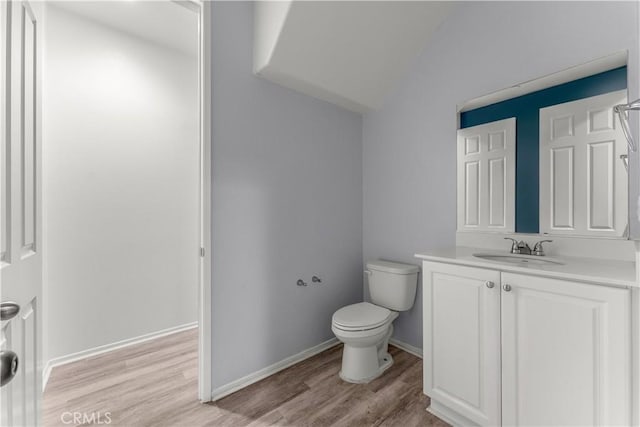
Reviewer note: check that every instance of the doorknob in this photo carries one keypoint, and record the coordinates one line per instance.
(8, 366)
(507, 288)
(8, 310)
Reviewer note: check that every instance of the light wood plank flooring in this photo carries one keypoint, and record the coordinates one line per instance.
(155, 384)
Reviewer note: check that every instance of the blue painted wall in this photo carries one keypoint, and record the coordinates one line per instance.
(526, 111)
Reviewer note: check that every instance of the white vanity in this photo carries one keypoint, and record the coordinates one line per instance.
(540, 334)
(527, 340)
(513, 336)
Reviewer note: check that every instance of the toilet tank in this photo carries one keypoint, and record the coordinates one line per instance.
(392, 284)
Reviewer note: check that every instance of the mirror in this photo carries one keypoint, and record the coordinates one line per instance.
(549, 161)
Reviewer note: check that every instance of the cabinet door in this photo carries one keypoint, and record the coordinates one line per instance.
(565, 353)
(487, 177)
(462, 340)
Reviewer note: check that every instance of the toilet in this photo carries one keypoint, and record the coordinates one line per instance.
(365, 328)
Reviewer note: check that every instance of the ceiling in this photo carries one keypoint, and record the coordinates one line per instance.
(349, 53)
(163, 22)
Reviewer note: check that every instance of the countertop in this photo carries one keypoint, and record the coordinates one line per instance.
(591, 270)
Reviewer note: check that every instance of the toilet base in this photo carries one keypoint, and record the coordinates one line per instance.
(363, 363)
(383, 364)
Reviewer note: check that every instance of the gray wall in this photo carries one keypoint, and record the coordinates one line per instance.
(409, 146)
(287, 204)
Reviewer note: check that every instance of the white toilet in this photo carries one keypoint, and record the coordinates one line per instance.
(365, 328)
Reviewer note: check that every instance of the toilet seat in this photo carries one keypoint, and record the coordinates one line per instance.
(362, 316)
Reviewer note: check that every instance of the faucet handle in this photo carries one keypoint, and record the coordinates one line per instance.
(515, 249)
(538, 249)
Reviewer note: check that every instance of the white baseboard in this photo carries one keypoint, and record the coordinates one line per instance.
(74, 357)
(448, 415)
(406, 347)
(46, 373)
(245, 381)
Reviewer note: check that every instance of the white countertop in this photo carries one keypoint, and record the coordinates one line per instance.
(592, 270)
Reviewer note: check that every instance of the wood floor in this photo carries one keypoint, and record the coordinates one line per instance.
(155, 384)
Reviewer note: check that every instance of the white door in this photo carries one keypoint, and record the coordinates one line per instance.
(21, 257)
(462, 340)
(487, 177)
(583, 182)
(565, 353)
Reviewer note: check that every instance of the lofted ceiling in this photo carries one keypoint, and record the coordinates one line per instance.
(349, 53)
(163, 22)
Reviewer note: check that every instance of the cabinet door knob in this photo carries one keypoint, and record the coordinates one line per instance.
(507, 288)
(489, 284)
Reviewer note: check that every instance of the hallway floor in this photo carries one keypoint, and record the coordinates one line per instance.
(155, 384)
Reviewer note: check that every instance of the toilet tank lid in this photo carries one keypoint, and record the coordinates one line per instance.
(392, 267)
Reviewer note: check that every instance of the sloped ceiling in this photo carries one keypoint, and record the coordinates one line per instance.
(349, 53)
(163, 22)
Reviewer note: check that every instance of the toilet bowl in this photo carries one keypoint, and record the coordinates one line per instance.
(366, 327)
(365, 330)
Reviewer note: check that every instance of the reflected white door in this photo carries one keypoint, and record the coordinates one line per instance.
(583, 182)
(20, 177)
(487, 177)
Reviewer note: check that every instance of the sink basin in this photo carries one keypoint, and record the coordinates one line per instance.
(518, 259)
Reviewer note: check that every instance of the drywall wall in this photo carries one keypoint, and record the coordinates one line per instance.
(120, 156)
(286, 204)
(409, 145)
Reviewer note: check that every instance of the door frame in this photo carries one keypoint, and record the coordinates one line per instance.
(203, 9)
(205, 285)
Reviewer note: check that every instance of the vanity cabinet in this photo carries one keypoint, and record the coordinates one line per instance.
(518, 350)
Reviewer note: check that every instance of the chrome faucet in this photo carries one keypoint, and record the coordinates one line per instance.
(523, 248)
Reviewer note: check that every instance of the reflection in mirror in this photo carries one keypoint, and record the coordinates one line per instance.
(487, 150)
(569, 178)
(583, 183)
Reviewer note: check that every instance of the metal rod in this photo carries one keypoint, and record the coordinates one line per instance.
(623, 114)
